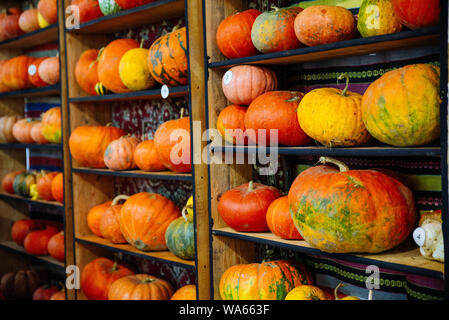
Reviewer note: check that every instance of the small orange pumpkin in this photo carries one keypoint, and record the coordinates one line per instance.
(231, 124)
(146, 158)
(86, 71)
(49, 10)
(36, 133)
(28, 20)
(49, 70)
(22, 130)
(56, 246)
(15, 72)
(119, 155)
(94, 217)
(44, 186)
(187, 292)
(110, 222)
(279, 220)
(33, 74)
(57, 187)
(140, 287)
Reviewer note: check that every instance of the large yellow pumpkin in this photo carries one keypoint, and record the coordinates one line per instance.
(134, 71)
(402, 108)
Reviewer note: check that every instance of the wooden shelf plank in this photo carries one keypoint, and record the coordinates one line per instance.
(48, 260)
(162, 175)
(44, 203)
(51, 146)
(137, 95)
(135, 17)
(32, 92)
(402, 258)
(161, 256)
(399, 40)
(31, 39)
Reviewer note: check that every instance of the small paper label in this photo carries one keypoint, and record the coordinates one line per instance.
(227, 77)
(165, 91)
(32, 70)
(419, 235)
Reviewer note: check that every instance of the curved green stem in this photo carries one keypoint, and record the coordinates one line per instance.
(344, 75)
(341, 166)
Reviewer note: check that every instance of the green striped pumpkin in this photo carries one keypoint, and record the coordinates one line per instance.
(109, 7)
(23, 182)
(377, 17)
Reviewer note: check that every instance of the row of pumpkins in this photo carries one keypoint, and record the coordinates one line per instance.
(23, 72)
(29, 285)
(37, 185)
(147, 221)
(401, 108)
(124, 66)
(250, 32)
(107, 146)
(16, 129)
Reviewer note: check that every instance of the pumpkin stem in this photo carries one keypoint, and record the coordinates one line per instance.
(273, 7)
(115, 266)
(370, 294)
(250, 186)
(344, 75)
(147, 280)
(336, 290)
(181, 113)
(99, 53)
(118, 198)
(341, 166)
(108, 124)
(141, 43)
(178, 26)
(187, 217)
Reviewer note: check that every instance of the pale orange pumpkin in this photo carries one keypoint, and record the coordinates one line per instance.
(119, 155)
(6, 125)
(22, 130)
(110, 222)
(36, 133)
(49, 70)
(28, 21)
(140, 287)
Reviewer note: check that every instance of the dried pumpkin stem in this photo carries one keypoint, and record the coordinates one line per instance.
(250, 186)
(341, 166)
(119, 198)
(273, 7)
(341, 77)
(336, 290)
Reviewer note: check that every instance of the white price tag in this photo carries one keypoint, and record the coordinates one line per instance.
(165, 91)
(227, 77)
(32, 70)
(419, 235)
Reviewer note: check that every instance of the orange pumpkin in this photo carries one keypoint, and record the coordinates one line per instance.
(49, 10)
(88, 143)
(108, 64)
(15, 72)
(231, 124)
(86, 71)
(146, 158)
(242, 84)
(36, 242)
(33, 74)
(60, 295)
(28, 20)
(94, 217)
(144, 219)
(57, 187)
(174, 153)
(279, 220)
(234, 34)
(56, 246)
(276, 110)
(187, 292)
(49, 70)
(8, 181)
(3, 87)
(44, 186)
(110, 222)
(36, 133)
(89, 9)
(22, 130)
(119, 155)
(318, 25)
(10, 23)
(51, 125)
(6, 126)
(140, 287)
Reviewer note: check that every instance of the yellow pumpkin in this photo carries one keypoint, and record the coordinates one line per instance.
(41, 21)
(306, 292)
(333, 117)
(134, 71)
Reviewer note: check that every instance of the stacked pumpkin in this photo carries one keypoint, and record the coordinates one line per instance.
(125, 66)
(250, 32)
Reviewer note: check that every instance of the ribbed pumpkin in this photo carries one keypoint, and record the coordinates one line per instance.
(108, 64)
(244, 208)
(234, 34)
(44, 186)
(28, 20)
(175, 155)
(8, 180)
(56, 246)
(242, 84)
(279, 220)
(88, 144)
(417, 13)
(377, 17)
(57, 187)
(128, 4)
(109, 7)
(333, 117)
(22, 130)
(86, 74)
(180, 234)
(51, 125)
(6, 126)
(146, 158)
(20, 285)
(402, 108)
(119, 155)
(110, 222)
(22, 227)
(15, 72)
(140, 287)
(36, 133)
(49, 70)
(98, 276)
(274, 30)
(318, 25)
(3, 87)
(144, 218)
(33, 73)
(231, 124)
(341, 211)
(306, 292)
(94, 217)
(36, 242)
(49, 10)
(167, 58)
(10, 23)
(88, 9)
(134, 71)
(270, 280)
(187, 292)
(276, 110)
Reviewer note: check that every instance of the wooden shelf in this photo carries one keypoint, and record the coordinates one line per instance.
(32, 92)
(400, 40)
(42, 203)
(162, 175)
(137, 95)
(161, 256)
(50, 146)
(32, 39)
(11, 246)
(402, 258)
(135, 17)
